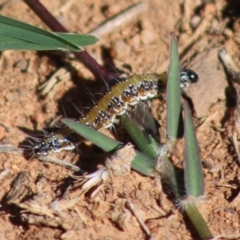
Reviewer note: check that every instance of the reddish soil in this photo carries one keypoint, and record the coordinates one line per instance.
(141, 45)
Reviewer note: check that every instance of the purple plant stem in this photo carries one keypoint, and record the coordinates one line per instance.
(97, 70)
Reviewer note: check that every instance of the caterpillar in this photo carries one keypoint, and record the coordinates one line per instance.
(116, 102)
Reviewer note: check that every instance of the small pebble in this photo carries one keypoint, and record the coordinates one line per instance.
(22, 64)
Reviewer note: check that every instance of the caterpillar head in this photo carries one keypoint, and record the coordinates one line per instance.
(187, 76)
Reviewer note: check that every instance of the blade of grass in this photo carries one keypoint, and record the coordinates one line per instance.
(143, 116)
(198, 221)
(144, 164)
(80, 40)
(141, 163)
(193, 175)
(10, 43)
(106, 143)
(167, 171)
(18, 35)
(144, 142)
(170, 177)
(173, 93)
(174, 184)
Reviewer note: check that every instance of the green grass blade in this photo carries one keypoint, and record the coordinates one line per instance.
(193, 175)
(198, 221)
(143, 164)
(7, 43)
(140, 138)
(18, 35)
(106, 143)
(78, 39)
(143, 116)
(174, 184)
(173, 93)
(171, 178)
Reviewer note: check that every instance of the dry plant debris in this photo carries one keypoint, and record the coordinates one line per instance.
(207, 27)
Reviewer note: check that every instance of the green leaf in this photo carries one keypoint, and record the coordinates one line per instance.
(10, 43)
(143, 164)
(171, 178)
(18, 35)
(173, 94)
(197, 221)
(106, 143)
(140, 137)
(193, 175)
(78, 39)
(145, 120)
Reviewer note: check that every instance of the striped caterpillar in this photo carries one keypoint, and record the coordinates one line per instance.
(116, 102)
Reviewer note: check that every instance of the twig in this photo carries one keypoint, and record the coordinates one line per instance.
(4, 173)
(11, 149)
(60, 162)
(20, 151)
(191, 40)
(229, 64)
(140, 221)
(119, 19)
(188, 7)
(234, 76)
(227, 236)
(97, 70)
(18, 187)
(196, 35)
(59, 75)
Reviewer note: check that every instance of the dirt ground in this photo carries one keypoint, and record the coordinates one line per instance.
(141, 45)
